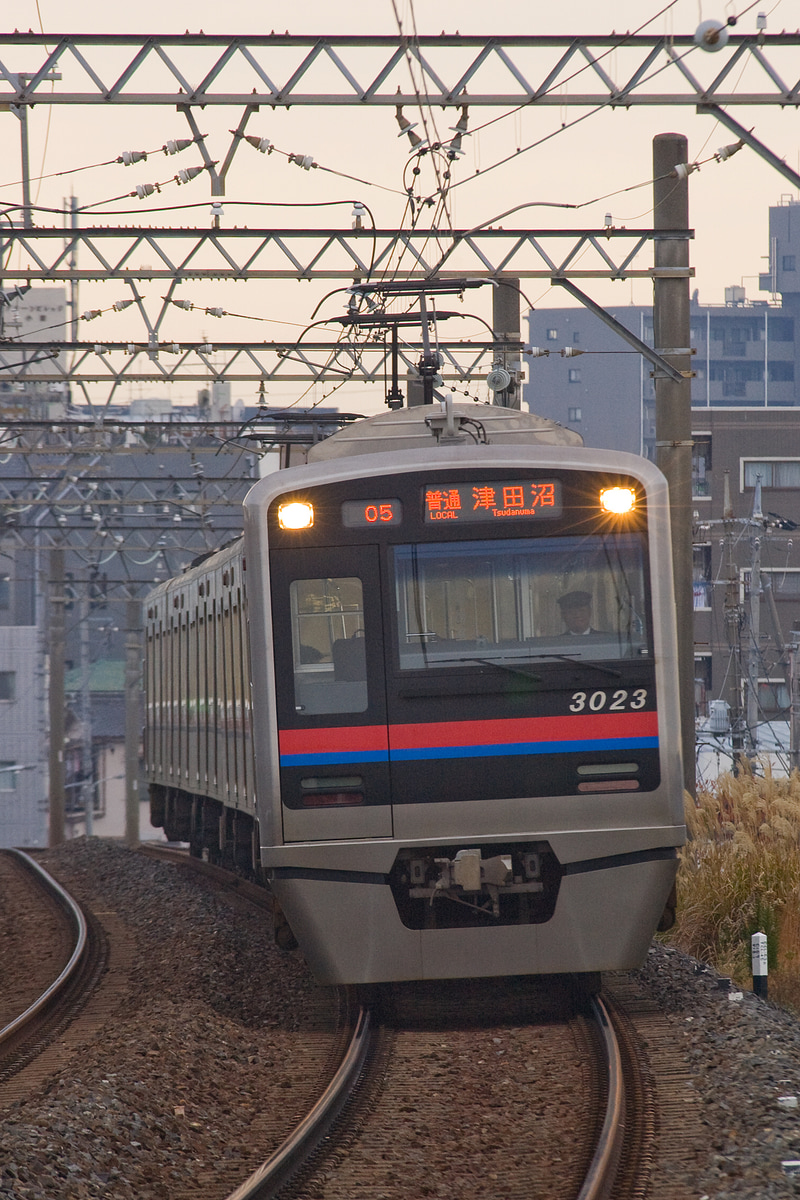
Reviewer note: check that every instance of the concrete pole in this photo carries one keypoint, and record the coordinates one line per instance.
(673, 406)
(132, 721)
(794, 724)
(87, 764)
(506, 332)
(56, 700)
(754, 655)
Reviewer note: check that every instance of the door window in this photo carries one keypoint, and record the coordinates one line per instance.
(328, 647)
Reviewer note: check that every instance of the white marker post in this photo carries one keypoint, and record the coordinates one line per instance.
(758, 956)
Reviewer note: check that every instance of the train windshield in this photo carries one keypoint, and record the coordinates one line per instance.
(529, 599)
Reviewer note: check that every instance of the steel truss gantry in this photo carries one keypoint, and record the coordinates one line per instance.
(283, 70)
(242, 362)
(44, 255)
(187, 255)
(192, 71)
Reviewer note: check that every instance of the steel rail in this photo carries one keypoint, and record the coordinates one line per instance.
(276, 1171)
(600, 1177)
(79, 923)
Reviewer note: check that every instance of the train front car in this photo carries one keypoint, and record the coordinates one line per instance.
(465, 703)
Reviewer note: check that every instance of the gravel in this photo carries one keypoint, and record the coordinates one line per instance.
(206, 1056)
(206, 1036)
(743, 1055)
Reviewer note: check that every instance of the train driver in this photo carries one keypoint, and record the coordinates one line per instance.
(576, 613)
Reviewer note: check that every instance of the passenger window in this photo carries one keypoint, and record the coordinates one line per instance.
(328, 646)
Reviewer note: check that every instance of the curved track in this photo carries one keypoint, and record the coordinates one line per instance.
(616, 1163)
(602, 1172)
(290, 1163)
(22, 1038)
(295, 1152)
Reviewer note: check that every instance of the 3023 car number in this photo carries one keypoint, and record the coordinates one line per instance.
(617, 701)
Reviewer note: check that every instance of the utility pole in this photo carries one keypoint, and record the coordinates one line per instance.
(87, 765)
(56, 697)
(794, 692)
(673, 405)
(733, 625)
(506, 333)
(132, 722)
(754, 652)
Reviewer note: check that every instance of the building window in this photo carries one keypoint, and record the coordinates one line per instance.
(781, 329)
(8, 777)
(788, 262)
(575, 416)
(552, 335)
(5, 592)
(774, 472)
(701, 466)
(701, 576)
(781, 371)
(773, 698)
(576, 337)
(702, 684)
(574, 374)
(8, 685)
(785, 583)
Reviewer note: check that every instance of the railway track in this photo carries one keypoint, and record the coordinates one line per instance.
(29, 1031)
(616, 1152)
(333, 1133)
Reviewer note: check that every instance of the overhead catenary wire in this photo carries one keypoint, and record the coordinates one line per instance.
(126, 157)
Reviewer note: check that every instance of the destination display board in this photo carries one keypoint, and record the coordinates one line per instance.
(487, 501)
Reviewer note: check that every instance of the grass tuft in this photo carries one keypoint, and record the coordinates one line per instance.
(740, 874)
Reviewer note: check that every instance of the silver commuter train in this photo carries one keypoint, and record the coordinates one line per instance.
(432, 694)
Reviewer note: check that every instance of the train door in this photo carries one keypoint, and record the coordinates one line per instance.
(331, 693)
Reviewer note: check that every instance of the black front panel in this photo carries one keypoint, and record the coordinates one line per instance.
(513, 650)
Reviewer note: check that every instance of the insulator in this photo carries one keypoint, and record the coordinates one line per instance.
(263, 145)
(121, 305)
(187, 304)
(143, 190)
(306, 161)
(132, 156)
(91, 313)
(205, 348)
(216, 312)
(537, 352)
(726, 152)
(175, 145)
(187, 174)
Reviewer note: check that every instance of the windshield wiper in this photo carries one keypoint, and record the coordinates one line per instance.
(504, 665)
(577, 658)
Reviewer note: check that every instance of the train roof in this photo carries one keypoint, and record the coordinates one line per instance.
(427, 426)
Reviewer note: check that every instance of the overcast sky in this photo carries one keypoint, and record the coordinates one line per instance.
(609, 151)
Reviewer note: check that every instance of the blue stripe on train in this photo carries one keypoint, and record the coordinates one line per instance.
(502, 749)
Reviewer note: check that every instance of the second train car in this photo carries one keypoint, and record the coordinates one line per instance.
(455, 744)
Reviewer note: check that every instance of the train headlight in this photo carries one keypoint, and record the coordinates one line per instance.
(618, 500)
(296, 515)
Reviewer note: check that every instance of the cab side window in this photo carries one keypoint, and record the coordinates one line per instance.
(328, 647)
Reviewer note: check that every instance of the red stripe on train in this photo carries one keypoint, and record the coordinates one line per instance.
(590, 726)
(575, 727)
